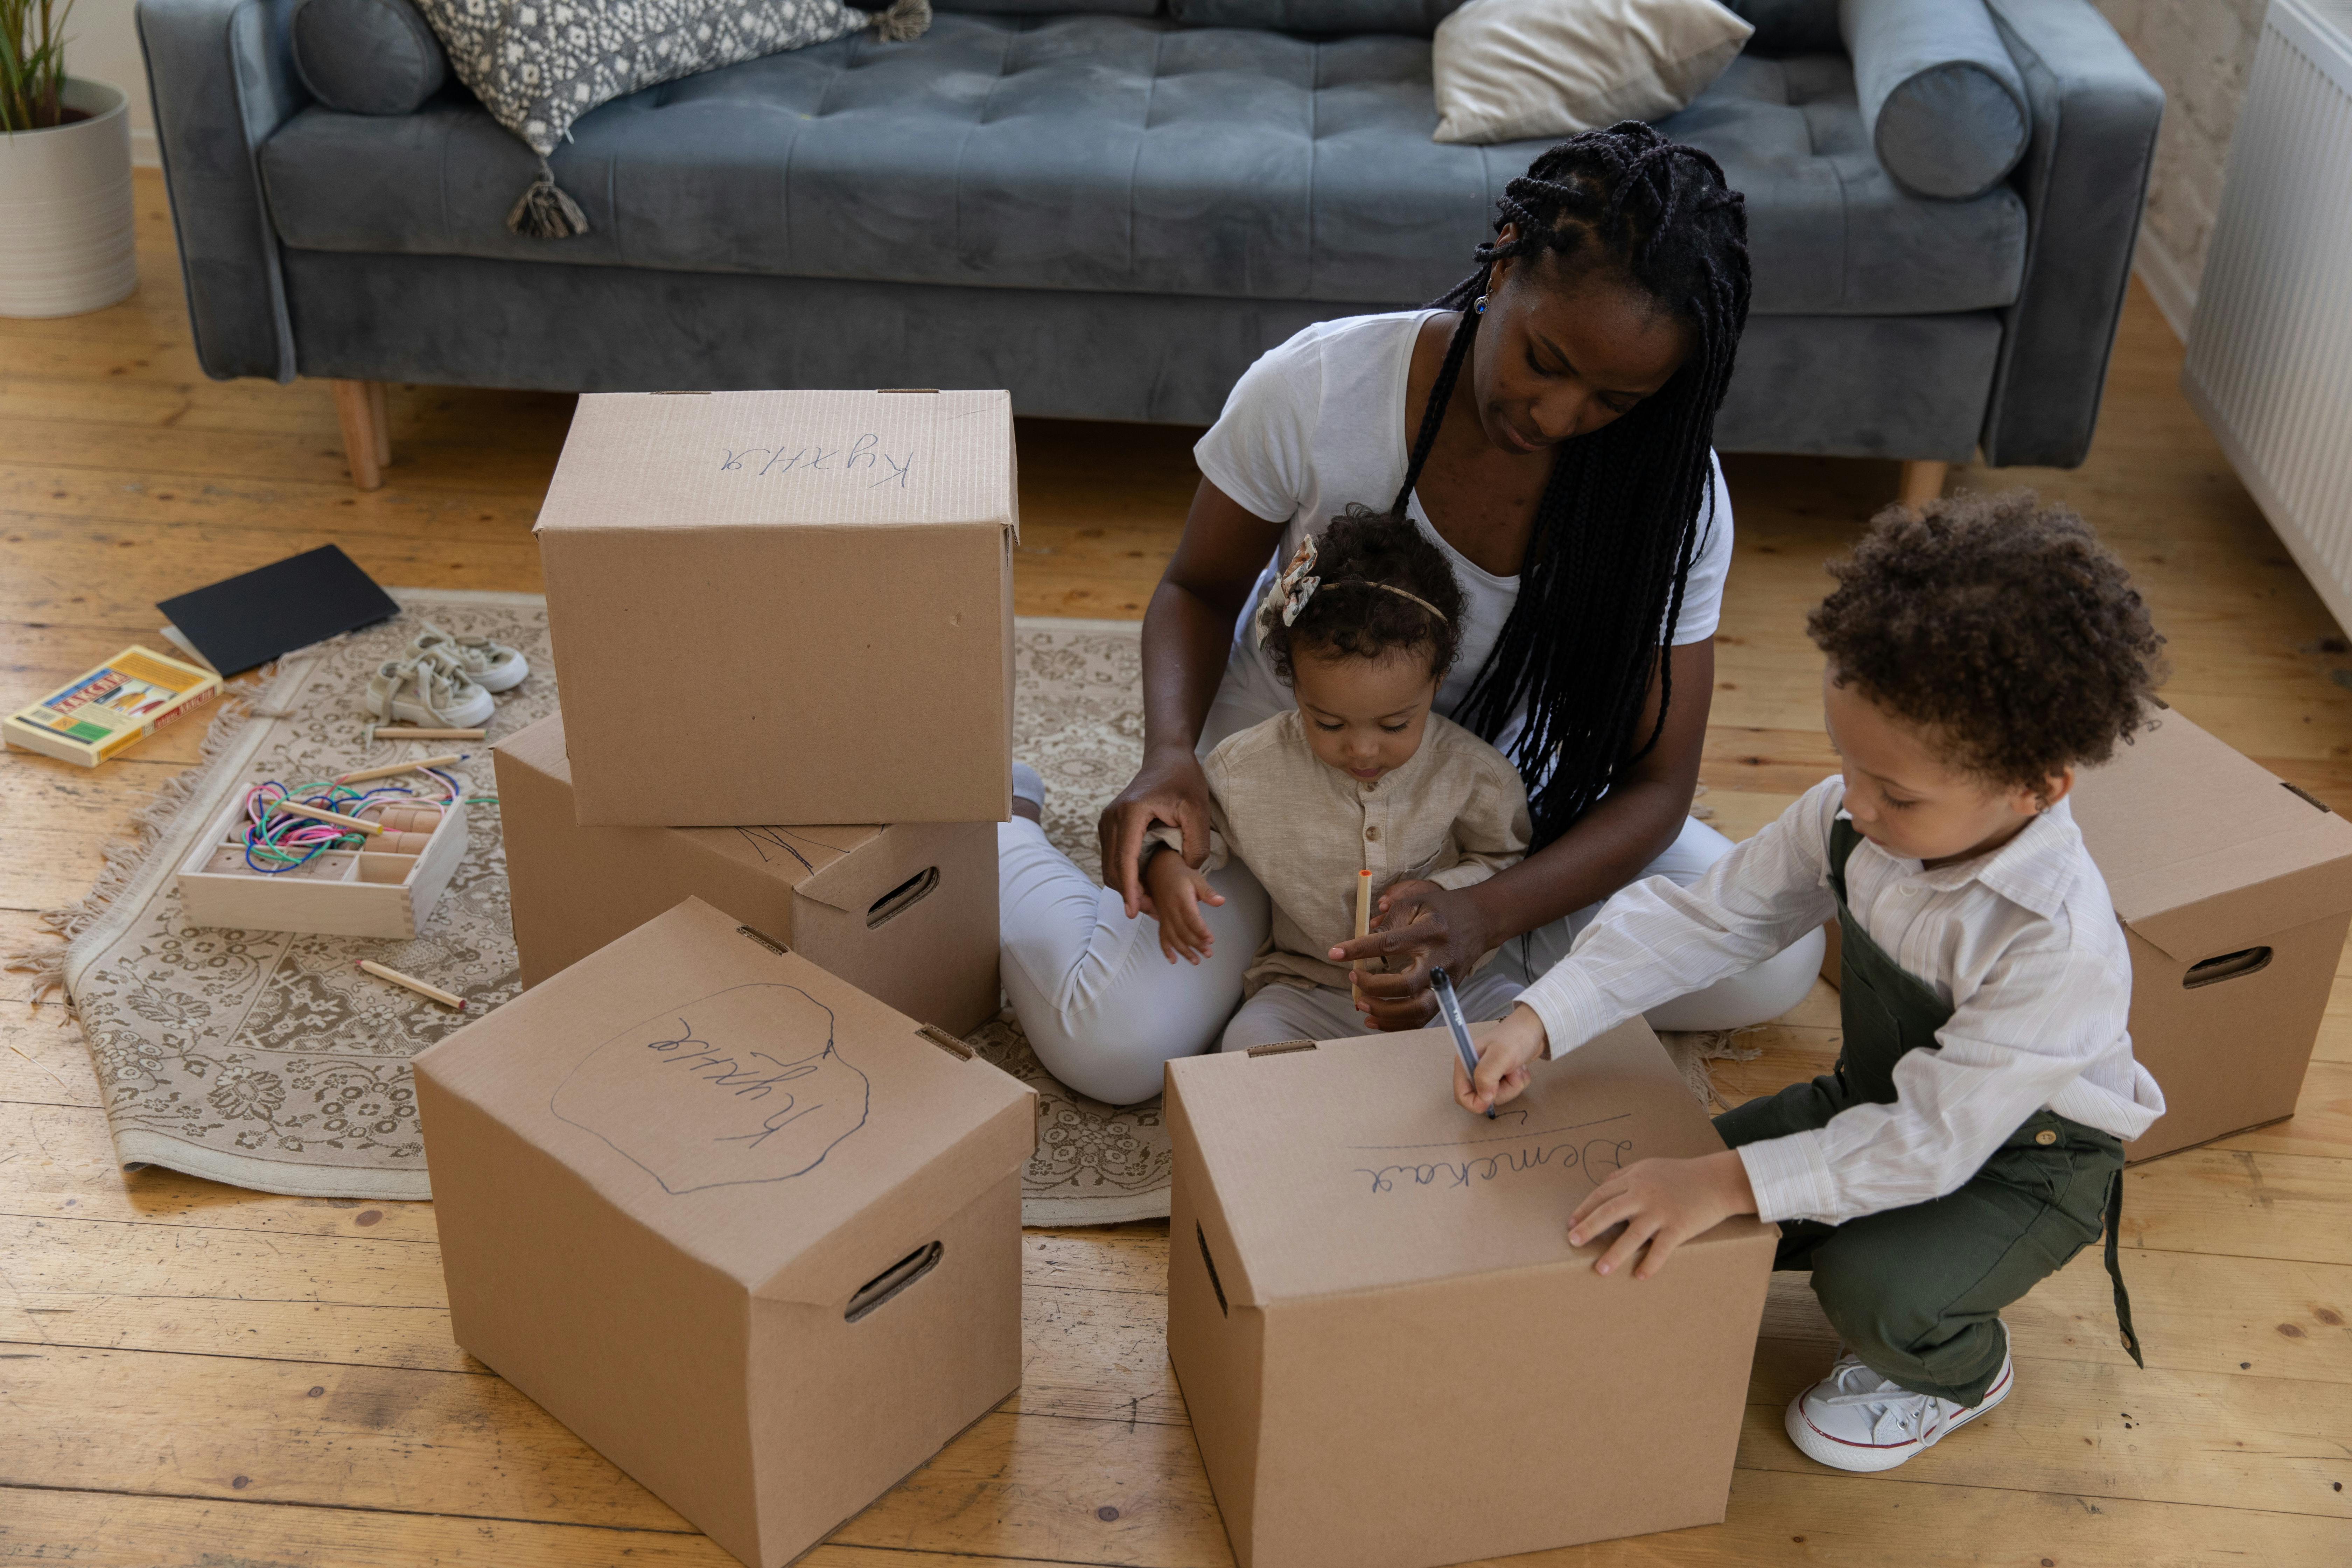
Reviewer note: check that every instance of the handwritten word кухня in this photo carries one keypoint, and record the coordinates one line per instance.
(863, 457)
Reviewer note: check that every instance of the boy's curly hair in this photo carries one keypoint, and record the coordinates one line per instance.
(2001, 627)
(1348, 617)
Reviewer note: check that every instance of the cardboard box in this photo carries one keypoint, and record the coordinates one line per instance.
(785, 606)
(1371, 1302)
(906, 913)
(750, 1233)
(2235, 891)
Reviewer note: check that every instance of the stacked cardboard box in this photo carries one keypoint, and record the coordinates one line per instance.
(724, 1190)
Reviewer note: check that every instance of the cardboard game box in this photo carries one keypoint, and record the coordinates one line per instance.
(752, 1234)
(906, 913)
(2235, 891)
(1343, 1240)
(785, 606)
(105, 711)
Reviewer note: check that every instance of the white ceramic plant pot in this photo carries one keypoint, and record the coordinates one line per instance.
(66, 243)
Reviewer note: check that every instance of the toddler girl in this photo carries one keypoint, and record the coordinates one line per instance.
(1360, 774)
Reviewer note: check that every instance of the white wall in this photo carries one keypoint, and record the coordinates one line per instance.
(2200, 51)
(101, 41)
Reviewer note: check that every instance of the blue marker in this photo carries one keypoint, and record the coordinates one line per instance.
(1450, 1005)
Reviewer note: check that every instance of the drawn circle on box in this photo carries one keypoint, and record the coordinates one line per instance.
(737, 1087)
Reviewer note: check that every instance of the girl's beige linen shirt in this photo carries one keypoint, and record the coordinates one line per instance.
(1455, 814)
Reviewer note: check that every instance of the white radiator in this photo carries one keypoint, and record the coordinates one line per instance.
(2270, 348)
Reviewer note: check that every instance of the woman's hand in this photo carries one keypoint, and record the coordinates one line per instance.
(1663, 1203)
(1430, 926)
(1168, 788)
(1178, 892)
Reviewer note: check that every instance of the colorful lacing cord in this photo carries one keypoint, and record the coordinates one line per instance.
(277, 841)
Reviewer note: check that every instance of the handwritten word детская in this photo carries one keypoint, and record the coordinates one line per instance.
(862, 457)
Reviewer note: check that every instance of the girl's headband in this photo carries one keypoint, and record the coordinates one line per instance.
(1297, 584)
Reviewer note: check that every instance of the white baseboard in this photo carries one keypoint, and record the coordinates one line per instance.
(2168, 283)
(144, 153)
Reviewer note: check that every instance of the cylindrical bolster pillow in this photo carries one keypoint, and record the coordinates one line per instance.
(368, 57)
(1942, 101)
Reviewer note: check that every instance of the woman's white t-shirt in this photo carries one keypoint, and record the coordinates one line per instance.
(1318, 423)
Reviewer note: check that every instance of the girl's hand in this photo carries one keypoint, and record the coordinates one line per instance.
(1663, 1203)
(1434, 927)
(1177, 893)
(1169, 788)
(1503, 1057)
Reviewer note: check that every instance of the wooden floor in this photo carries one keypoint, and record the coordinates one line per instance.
(192, 1374)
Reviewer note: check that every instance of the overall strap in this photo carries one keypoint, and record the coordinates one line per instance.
(2115, 1221)
(1843, 837)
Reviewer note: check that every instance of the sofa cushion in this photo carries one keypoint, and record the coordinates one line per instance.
(1792, 27)
(1943, 102)
(1110, 153)
(1419, 17)
(367, 56)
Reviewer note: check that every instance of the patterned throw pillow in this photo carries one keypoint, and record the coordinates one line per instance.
(538, 65)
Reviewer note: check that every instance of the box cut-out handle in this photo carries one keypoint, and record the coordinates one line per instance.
(771, 943)
(2228, 966)
(2306, 796)
(893, 1280)
(1281, 1048)
(1211, 1263)
(902, 898)
(945, 1041)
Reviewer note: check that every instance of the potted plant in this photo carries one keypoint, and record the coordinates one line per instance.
(66, 242)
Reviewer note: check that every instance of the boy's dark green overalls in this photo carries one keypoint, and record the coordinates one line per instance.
(1916, 1292)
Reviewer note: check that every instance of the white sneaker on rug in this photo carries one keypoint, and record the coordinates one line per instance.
(1854, 1419)
(492, 666)
(428, 690)
(1028, 784)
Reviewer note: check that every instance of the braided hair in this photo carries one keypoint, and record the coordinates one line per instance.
(1619, 521)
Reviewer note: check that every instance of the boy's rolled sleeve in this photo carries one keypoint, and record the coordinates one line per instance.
(1790, 1176)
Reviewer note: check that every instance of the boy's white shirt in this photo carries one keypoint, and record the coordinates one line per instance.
(2023, 943)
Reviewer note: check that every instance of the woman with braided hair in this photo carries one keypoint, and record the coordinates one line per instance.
(1548, 423)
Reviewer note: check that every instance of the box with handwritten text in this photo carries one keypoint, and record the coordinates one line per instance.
(785, 606)
(752, 1234)
(906, 912)
(1392, 1355)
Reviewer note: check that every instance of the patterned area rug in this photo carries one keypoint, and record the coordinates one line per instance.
(266, 1059)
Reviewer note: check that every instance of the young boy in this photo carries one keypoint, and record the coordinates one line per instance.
(1971, 1141)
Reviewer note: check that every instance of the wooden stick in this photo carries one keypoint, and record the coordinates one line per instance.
(337, 817)
(1363, 909)
(397, 978)
(381, 734)
(364, 774)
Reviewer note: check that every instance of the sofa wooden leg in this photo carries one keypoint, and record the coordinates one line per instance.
(1923, 482)
(367, 439)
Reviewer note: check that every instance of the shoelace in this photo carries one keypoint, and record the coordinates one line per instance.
(1859, 1387)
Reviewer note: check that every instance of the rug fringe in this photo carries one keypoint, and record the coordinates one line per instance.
(124, 857)
(1692, 1052)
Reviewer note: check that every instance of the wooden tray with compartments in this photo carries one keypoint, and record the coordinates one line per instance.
(341, 892)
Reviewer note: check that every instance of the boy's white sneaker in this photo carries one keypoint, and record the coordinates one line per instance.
(1854, 1419)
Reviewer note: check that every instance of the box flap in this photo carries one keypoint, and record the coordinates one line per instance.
(793, 856)
(816, 459)
(889, 876)
(737, 1099)
(1348, 1166)
(2204, 850)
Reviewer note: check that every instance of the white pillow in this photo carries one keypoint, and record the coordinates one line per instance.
(1511, 70)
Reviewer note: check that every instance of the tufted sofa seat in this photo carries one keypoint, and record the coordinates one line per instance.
(1112, 152)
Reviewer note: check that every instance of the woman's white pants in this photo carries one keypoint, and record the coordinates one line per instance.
(1105, 1011)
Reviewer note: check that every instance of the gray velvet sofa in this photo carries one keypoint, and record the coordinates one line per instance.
(1112, 214)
